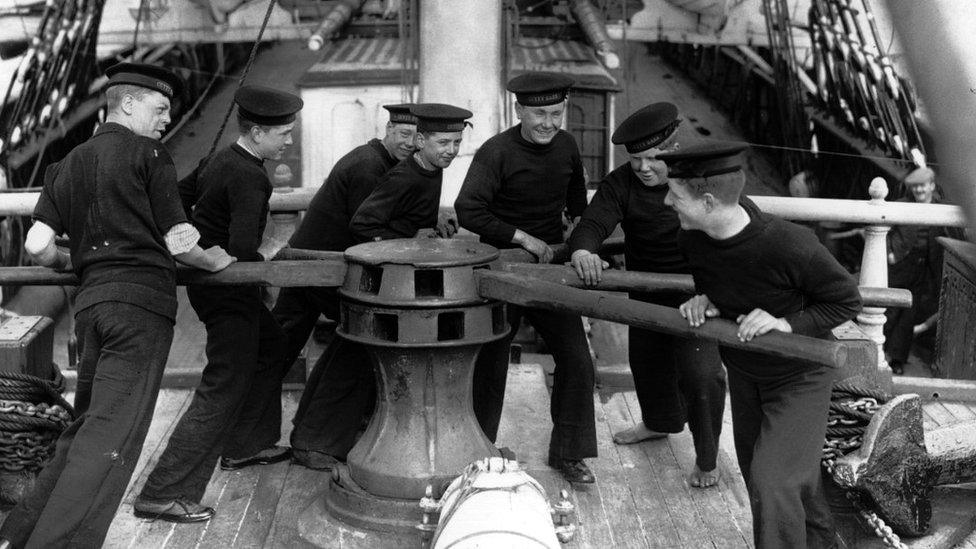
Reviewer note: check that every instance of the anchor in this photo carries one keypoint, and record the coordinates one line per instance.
(899, 464)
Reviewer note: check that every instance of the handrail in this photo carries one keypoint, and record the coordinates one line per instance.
(283, 199)
(865, 212)
(861, 211)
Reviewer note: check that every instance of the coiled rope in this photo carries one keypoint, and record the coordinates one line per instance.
(32, 415)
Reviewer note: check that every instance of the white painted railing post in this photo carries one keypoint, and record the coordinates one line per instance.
(874, 272)
(283, 223)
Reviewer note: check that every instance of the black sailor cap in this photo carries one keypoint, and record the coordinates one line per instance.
(144, 75)
(703, 160)
(267, 106)
(539, 89)
(438, 117)
(400, 114)
(648, 127)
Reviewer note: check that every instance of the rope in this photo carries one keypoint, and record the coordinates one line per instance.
(32, 415)
(247, 68)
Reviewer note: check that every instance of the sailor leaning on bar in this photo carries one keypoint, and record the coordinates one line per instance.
(116, 198)
(322, 433)
(235, 413)
(677, 380)
(514, 194)
(764, 274)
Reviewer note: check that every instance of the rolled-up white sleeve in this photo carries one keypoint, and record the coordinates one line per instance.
(181, 238)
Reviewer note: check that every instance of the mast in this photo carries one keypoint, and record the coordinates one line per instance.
(945, 75)
(461, 64)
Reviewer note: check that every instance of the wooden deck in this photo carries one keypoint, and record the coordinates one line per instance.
(641, 497)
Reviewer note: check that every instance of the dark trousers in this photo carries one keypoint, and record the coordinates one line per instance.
(297, 310)
(242, 374)
(678, 380)
(571, 406)
(341, 388)
(912, 274)
(779, 423)
(123, 350)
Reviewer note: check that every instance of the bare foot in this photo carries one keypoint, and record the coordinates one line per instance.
(703, 479)
(637, 433)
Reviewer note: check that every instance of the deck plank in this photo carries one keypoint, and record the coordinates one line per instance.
(938, 412)
(617, 500)
(686, 518)
(299, 489)
(733, 485)
(960, 411)
(928, 422)
(256, 521)
(647, 493)
(525, 425)
(712, 506)
(170, 405)
(232, 504)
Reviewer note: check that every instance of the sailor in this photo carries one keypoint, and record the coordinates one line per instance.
(407, 199)
(235, 412)
(676, 379)
(116, 198)
(915, 263)
(404, 202)
(764, 274)
(325, 226)
(514, 194)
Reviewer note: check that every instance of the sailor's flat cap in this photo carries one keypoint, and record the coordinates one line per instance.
(400, 114)
(539, 89)
(267, 106)
(920, 176)
(648, 127)
(704, 160)
(144, 75)
(438, 117)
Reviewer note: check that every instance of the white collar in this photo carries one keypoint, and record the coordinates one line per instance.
(242, 144)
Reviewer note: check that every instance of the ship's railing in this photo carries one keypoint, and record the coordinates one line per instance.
(876, 214)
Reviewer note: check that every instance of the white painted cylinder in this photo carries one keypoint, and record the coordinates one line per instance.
(495, 504)
(461, 65)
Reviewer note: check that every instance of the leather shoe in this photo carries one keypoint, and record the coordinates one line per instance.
(573, 470)
(178, 510)
(313, 459)
(267, 456)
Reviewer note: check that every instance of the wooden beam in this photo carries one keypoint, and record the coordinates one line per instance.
(953, 390)
(632, 281)
(287, 199)
(280, 274)
(298, 254)
(610, 246)
(519, 290)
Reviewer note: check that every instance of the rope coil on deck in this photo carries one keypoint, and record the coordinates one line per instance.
(32, 415)
(851, 409)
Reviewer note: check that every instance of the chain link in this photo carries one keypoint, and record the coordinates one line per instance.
(877, 524)
(851, 413)
(29, 425)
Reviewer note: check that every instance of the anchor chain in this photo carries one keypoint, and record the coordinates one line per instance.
(851, 409)
(32, 415)
(876, 523)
